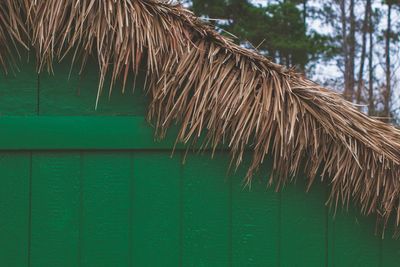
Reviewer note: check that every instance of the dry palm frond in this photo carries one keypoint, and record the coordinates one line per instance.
(231, 95)
(12, 32)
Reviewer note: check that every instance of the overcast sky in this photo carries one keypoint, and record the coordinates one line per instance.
(326, 72)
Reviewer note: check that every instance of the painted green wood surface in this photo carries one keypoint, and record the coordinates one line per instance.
(78, 132)
(255, 222)
(19, 91)
(351, 243)
(105, 209)
(78, 94)
(15, 209)
(206, 212)
(390, 251)
(303, 226)
(156, 209)
(91, 188)
(55, 205)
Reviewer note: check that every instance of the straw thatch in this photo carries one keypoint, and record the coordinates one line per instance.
(216, 89)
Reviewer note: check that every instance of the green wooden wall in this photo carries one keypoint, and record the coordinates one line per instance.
(81, 187)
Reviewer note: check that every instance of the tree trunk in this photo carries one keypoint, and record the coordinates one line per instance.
(360, 84)
(343, 19)
(387, 93)
(371, 106)
(352, 52)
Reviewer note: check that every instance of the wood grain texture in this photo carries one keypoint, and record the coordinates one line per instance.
(390, 250)
(14, 209)
(353, 242)
(303, 226)
(156, 209)
(78, 133)
(55, 209)
(118, 199)
(62, 93)
(18, 90)
(206, 212)
(119, 208)
(255, 221)
(106, 179)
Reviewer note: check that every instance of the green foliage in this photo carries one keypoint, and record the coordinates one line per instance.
(278, 30)
(211, 8)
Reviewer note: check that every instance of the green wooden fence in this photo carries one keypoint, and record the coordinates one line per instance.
(91, 188)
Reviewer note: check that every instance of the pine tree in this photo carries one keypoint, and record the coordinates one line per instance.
(278, 30)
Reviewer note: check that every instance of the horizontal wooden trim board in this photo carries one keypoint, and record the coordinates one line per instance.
(79, 132)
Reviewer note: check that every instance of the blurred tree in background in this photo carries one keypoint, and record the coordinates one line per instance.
(358, 40)
(277, 30)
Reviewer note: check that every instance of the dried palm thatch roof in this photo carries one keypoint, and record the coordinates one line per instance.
(215, 88)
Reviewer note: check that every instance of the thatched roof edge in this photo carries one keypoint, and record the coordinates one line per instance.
(228, 94)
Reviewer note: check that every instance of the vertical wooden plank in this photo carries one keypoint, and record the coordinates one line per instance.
(18, 91)
(156, 209)
(55, 209)
(207, 217)
(14, 209)
(78, 93)
(390, 248)
(255, 221)
(330, 246)
(303, 225)
(353, 240)
(106, 183)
